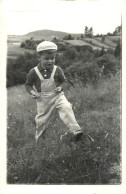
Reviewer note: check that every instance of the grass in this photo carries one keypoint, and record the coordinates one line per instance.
(97, 110)
(77, 42)
(97, 43)
(107, 41)
(15, 50)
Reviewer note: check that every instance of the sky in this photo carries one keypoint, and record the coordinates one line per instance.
(23, 16)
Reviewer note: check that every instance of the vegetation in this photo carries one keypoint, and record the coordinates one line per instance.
(68, 37)
(94, 82)
(15, 51)
(80, 62)
(30, 43)
(17, 69)
(88, 33)
(53, 161)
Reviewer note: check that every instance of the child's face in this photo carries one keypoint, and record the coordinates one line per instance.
(48, 59)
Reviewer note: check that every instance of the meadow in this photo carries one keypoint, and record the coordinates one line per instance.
(14, 51)
(52, 161)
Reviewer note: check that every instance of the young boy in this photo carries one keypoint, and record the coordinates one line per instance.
(49, 83)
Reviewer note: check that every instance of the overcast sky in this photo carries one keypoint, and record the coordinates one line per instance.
(23, 16)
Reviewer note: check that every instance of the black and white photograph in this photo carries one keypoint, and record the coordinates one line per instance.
(62, 119)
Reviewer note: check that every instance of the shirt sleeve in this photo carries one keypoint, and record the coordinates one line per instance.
(30, 80)
(61, 79)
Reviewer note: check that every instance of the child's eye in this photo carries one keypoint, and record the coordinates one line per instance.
(50, 58)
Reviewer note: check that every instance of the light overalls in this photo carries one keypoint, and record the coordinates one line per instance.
(48, 101)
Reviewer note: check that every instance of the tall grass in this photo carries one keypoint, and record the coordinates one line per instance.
(52, 161)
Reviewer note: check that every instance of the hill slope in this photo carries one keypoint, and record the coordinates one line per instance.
(14, 41)
(40, 34)
(54, 162)
(43, 34)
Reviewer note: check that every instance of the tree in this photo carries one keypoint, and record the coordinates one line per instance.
(22, 45)
(86, 31)
(69, 37)
(118, 49)
(90, 32)
(54, 39)
(103, 38)
(28, 42)
(102, 51)
(82, 36)
(109, 34)
(117, 30)
(31, 38)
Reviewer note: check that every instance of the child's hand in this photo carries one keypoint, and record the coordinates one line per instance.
(34, 94)
(58, 89)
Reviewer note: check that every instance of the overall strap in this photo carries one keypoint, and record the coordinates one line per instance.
(53, 72)
(38, 73)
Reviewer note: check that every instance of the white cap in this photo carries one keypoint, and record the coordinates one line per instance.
(46, 45)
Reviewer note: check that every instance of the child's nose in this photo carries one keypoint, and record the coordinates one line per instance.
(50, 61)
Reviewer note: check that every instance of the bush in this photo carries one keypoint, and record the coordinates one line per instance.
(110, 63)
(70, 53)
(18, 69)
(22, 45)
(87, 72)
(118, 49)
(80, 63)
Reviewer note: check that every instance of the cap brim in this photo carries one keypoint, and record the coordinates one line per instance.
(49, 51)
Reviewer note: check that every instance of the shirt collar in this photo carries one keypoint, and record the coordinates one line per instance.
(41, 68)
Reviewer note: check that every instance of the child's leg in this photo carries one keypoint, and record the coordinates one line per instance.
(42, 122)
(67, 115)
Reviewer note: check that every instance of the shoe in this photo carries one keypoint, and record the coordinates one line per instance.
(71, 137)
(78, 135)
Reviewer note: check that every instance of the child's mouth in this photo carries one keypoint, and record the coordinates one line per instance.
(50, 64)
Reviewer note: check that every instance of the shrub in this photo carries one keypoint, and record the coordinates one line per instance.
(70, 53)
(110, 63)
(18, 69)
(118, 49)
(22, 45)
(80, 62)
(85, 72)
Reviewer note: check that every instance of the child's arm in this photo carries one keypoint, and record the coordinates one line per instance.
(61, 80)
(29, 84)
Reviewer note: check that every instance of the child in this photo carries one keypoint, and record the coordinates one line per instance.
(49, 83)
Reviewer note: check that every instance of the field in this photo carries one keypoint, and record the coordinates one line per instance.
(108, 41)
(81, 43)
(53, 161)
(14, 42)
(14, 50)
(97, 43)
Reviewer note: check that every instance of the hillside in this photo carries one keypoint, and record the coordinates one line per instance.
(46, 34)
(96, 43)
(14, 51)
(52, 161)
(40, 34)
